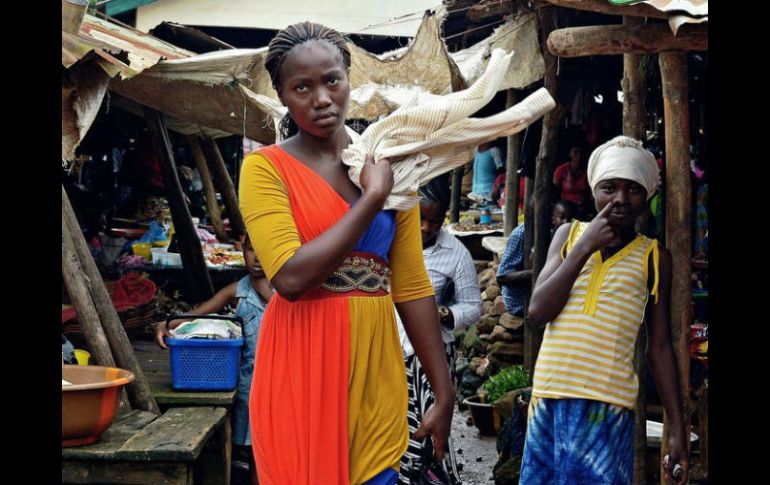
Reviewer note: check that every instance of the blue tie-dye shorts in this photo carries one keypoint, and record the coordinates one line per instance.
(578, 442)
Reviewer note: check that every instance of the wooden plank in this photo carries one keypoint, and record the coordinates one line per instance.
(225, 186)
(208, 187)
(150, 473)
(622, 39)
(510, 221)
(602, 6)
(189, 244)
(546, 163)
(138, 391)
(168, 397)
(214, 461)
(673, 70)
(123, 428)
(178, 435)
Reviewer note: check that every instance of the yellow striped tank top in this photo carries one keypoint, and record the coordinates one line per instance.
(588, 350)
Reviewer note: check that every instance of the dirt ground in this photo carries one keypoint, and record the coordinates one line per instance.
(476, 453)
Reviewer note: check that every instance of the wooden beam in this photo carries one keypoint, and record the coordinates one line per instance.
(458, 84)
(511, 176)
(139, 390)
(602, 6)
(546, 162)
(75, 282)
(208, 187)
(488, 9)
(622, 39)
(530, 334)
(189, 244)
(673, 71)
(633, 126)
(225, 186)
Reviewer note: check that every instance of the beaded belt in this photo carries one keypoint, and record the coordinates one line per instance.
(362, 271)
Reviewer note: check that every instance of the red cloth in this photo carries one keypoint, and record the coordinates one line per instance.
(500, 185)
(573, 190)
(130, 291)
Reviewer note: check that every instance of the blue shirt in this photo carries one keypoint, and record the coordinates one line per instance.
(250, 308)
(485, 165)
(513, 260)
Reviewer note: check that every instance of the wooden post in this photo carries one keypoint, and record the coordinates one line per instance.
(458, 84)
(531, 336)
(620, 39)
(139, 390)
(225, 185)
(208, 187)
(72, 273)
(189, 244)
(546, 162)
(633, 126)
(457, 186)
(673, 71)
(511, 177)
(75, 282)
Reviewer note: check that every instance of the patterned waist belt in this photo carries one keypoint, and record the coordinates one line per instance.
(360, 271)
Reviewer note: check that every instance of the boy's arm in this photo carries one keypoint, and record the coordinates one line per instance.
(212, 305)
(660, 355)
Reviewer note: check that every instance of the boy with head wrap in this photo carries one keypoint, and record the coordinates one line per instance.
(599, 281)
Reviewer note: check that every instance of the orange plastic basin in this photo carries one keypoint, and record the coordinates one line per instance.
(88, 405)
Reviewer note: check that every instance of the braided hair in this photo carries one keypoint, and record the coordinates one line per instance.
(284, 41)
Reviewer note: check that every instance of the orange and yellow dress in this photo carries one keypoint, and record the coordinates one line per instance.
(328, 399)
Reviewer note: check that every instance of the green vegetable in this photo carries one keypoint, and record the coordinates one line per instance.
(508, 379)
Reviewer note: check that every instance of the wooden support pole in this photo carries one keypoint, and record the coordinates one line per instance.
(633, 126)
(457, 186)
(458, 84)
(189, 244)
(546, 162)
(75, 282)
(72, 273)
(225, 186)
(123, 353)
(208, 187)
(621, 39)
(530, 334)
(673, 71)
(602, 6)
(511, 176)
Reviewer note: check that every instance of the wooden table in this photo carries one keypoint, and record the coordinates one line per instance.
(184, 446)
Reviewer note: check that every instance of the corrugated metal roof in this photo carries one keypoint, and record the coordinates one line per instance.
(121, 49)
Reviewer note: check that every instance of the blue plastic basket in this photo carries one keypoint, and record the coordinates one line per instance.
(204, 364)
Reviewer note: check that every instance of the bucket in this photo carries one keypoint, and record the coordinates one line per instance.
(142, 249)
(82, 356)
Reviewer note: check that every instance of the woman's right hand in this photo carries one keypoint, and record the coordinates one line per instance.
(161, 331)
(599, 232)
(377, 179)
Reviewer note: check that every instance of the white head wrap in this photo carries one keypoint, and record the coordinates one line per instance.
(624, 158)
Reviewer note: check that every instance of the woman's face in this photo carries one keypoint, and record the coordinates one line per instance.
(314, 86)
(574, 157)
(630, 200)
